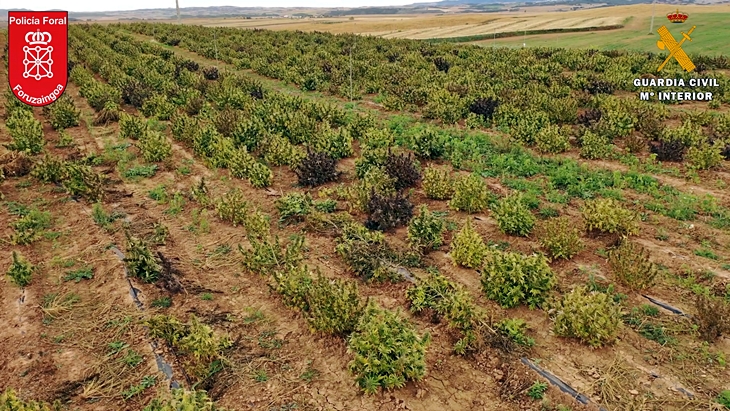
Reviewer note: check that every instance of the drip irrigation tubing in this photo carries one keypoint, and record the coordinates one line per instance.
(162, 365)
(559, 383)
(666, 306)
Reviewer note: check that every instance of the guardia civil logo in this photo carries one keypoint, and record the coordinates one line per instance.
(38, 55)
(669, 43)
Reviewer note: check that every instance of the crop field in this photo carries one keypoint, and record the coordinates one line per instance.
(213, 218)
(618, 27)
(708, 38)
(422, 27)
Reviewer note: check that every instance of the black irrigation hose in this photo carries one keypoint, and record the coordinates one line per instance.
(559, 383)
(405, 274)
(575, 394)
(685, 392)
(666, 306)
(162, 365)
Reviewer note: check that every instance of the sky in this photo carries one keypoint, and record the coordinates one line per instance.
(87, 5)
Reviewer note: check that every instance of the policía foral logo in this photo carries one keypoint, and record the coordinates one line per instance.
(37, 55)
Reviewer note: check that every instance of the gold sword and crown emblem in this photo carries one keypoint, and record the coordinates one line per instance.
(675, 49)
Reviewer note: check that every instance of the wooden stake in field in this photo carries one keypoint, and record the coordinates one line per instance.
(354, 40)
(215, 46)
(653, 10)
(177, 7)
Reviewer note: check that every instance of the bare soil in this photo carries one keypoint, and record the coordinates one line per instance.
(69, 350)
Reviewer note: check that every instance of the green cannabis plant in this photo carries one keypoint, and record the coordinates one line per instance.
(631, 265)
(9, 401)
(26, 132)
(387, 351)
(20, 270)
(470, 194)
(140, 261)
(131, 126)
(335, 306)
(196, 341)
(468, 248)
(447, 300)
(512, 279)
(49, 170)
(293, 207)
(595, 146)
(552, 139)
(560, 238)
(513, 216)
(428, 143)
(516, 330)
(609, 216)
(62, 113)
(154, 146)
(183, 400)
(30, 227)
(437, 183)
(592, 317)
(426, 230)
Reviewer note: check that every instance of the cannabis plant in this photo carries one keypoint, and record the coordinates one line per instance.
(468, 248)
(20, 271)
(592, 317)
(387, 351)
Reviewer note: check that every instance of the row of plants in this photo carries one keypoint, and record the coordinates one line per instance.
(376, 145)
(233, 115)
(689, 205)
(106, 99)
(26, 132)
(445, 81)
(592, 315)
(380, 193)
(76, 178)
(198, 348)
(550, 120)
(387, 350)
(510, 279)
(318, 296)
(556, 179)
(333, 306)
(178, 399)
(430, 143)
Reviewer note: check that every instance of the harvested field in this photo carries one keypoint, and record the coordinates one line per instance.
(476, 27)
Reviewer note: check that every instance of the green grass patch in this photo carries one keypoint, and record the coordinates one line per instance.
(86, 273)
(139, 171)
(711, 26)
(707, 253)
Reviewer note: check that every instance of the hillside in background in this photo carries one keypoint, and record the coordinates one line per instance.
(446, 6)
(577, 25)
(187, 12)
